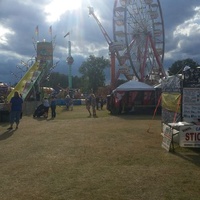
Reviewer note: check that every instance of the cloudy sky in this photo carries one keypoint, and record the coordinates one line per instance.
(19, 18)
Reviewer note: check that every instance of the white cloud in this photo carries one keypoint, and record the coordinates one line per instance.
(190, 26)
(3, 35)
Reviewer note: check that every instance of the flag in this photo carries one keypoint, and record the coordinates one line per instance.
(50, 29)
(36, 30)
(66, 34)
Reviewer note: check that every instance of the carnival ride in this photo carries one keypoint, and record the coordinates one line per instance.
(39, 70)
(30, 80)
(138, 45)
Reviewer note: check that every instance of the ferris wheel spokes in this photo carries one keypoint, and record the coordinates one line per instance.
(139, 24)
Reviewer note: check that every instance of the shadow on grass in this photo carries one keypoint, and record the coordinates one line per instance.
(6, 134)
(189, 154)
(138, 115)
(40, 118)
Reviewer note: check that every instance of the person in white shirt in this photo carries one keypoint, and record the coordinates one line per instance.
(46, 107)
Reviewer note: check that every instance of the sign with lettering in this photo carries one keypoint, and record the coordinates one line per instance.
(167, 137)
(190, 104)
(189, 136)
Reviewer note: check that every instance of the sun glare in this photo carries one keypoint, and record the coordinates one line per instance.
(57, 7)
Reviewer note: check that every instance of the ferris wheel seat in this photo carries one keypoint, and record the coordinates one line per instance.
(153, 14)
(119, 9)
(159, 51)
(123, 2)
(119, 23)
(154, 5)
(157, 32)
(119, 46)
(119, 20)
(157, 23)
(148, 1)
(120, 33)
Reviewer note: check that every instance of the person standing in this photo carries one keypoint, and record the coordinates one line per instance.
(67, 101)
(88, 104)
(16, 103)
(97, 102)
(71, 104)
(46, 107)
(53, 107)
(101, 102)
(93, 105)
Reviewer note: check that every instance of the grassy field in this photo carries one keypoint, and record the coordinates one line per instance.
(74, 157)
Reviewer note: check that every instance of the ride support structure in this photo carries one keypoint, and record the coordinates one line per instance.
(112, 50)
(70, 61)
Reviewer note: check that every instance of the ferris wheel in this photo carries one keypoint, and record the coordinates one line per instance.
(138, 27)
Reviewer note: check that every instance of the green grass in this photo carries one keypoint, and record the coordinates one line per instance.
(105, 158)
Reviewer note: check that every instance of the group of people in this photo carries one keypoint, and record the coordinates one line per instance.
(95, 103)
(16, 107)
(16, 104)
(99, 102)
(47, 105)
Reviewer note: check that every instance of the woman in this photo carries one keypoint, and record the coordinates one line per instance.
(15, 110)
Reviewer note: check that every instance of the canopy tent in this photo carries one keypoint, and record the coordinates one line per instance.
(133, 85)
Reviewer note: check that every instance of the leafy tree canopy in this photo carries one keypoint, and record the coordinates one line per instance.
(92, 71)
(178, 66)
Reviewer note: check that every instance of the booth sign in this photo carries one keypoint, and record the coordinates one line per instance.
(189, 136)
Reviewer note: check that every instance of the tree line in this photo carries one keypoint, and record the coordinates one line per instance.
(93, 74)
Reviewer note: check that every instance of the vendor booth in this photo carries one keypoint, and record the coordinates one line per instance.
(131, 96)
(181, 110)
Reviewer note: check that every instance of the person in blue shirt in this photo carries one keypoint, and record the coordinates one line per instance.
(16, 103)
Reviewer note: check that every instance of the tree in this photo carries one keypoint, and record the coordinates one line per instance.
(92, 71)
(56, 79)
(178, 66)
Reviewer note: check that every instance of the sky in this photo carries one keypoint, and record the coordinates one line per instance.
(19, 19)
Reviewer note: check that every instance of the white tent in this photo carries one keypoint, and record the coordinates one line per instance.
(134, 86)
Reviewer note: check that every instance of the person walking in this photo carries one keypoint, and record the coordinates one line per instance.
(53, 107)
(15, 108)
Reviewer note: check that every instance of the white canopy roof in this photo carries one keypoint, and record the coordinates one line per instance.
(133, 85)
